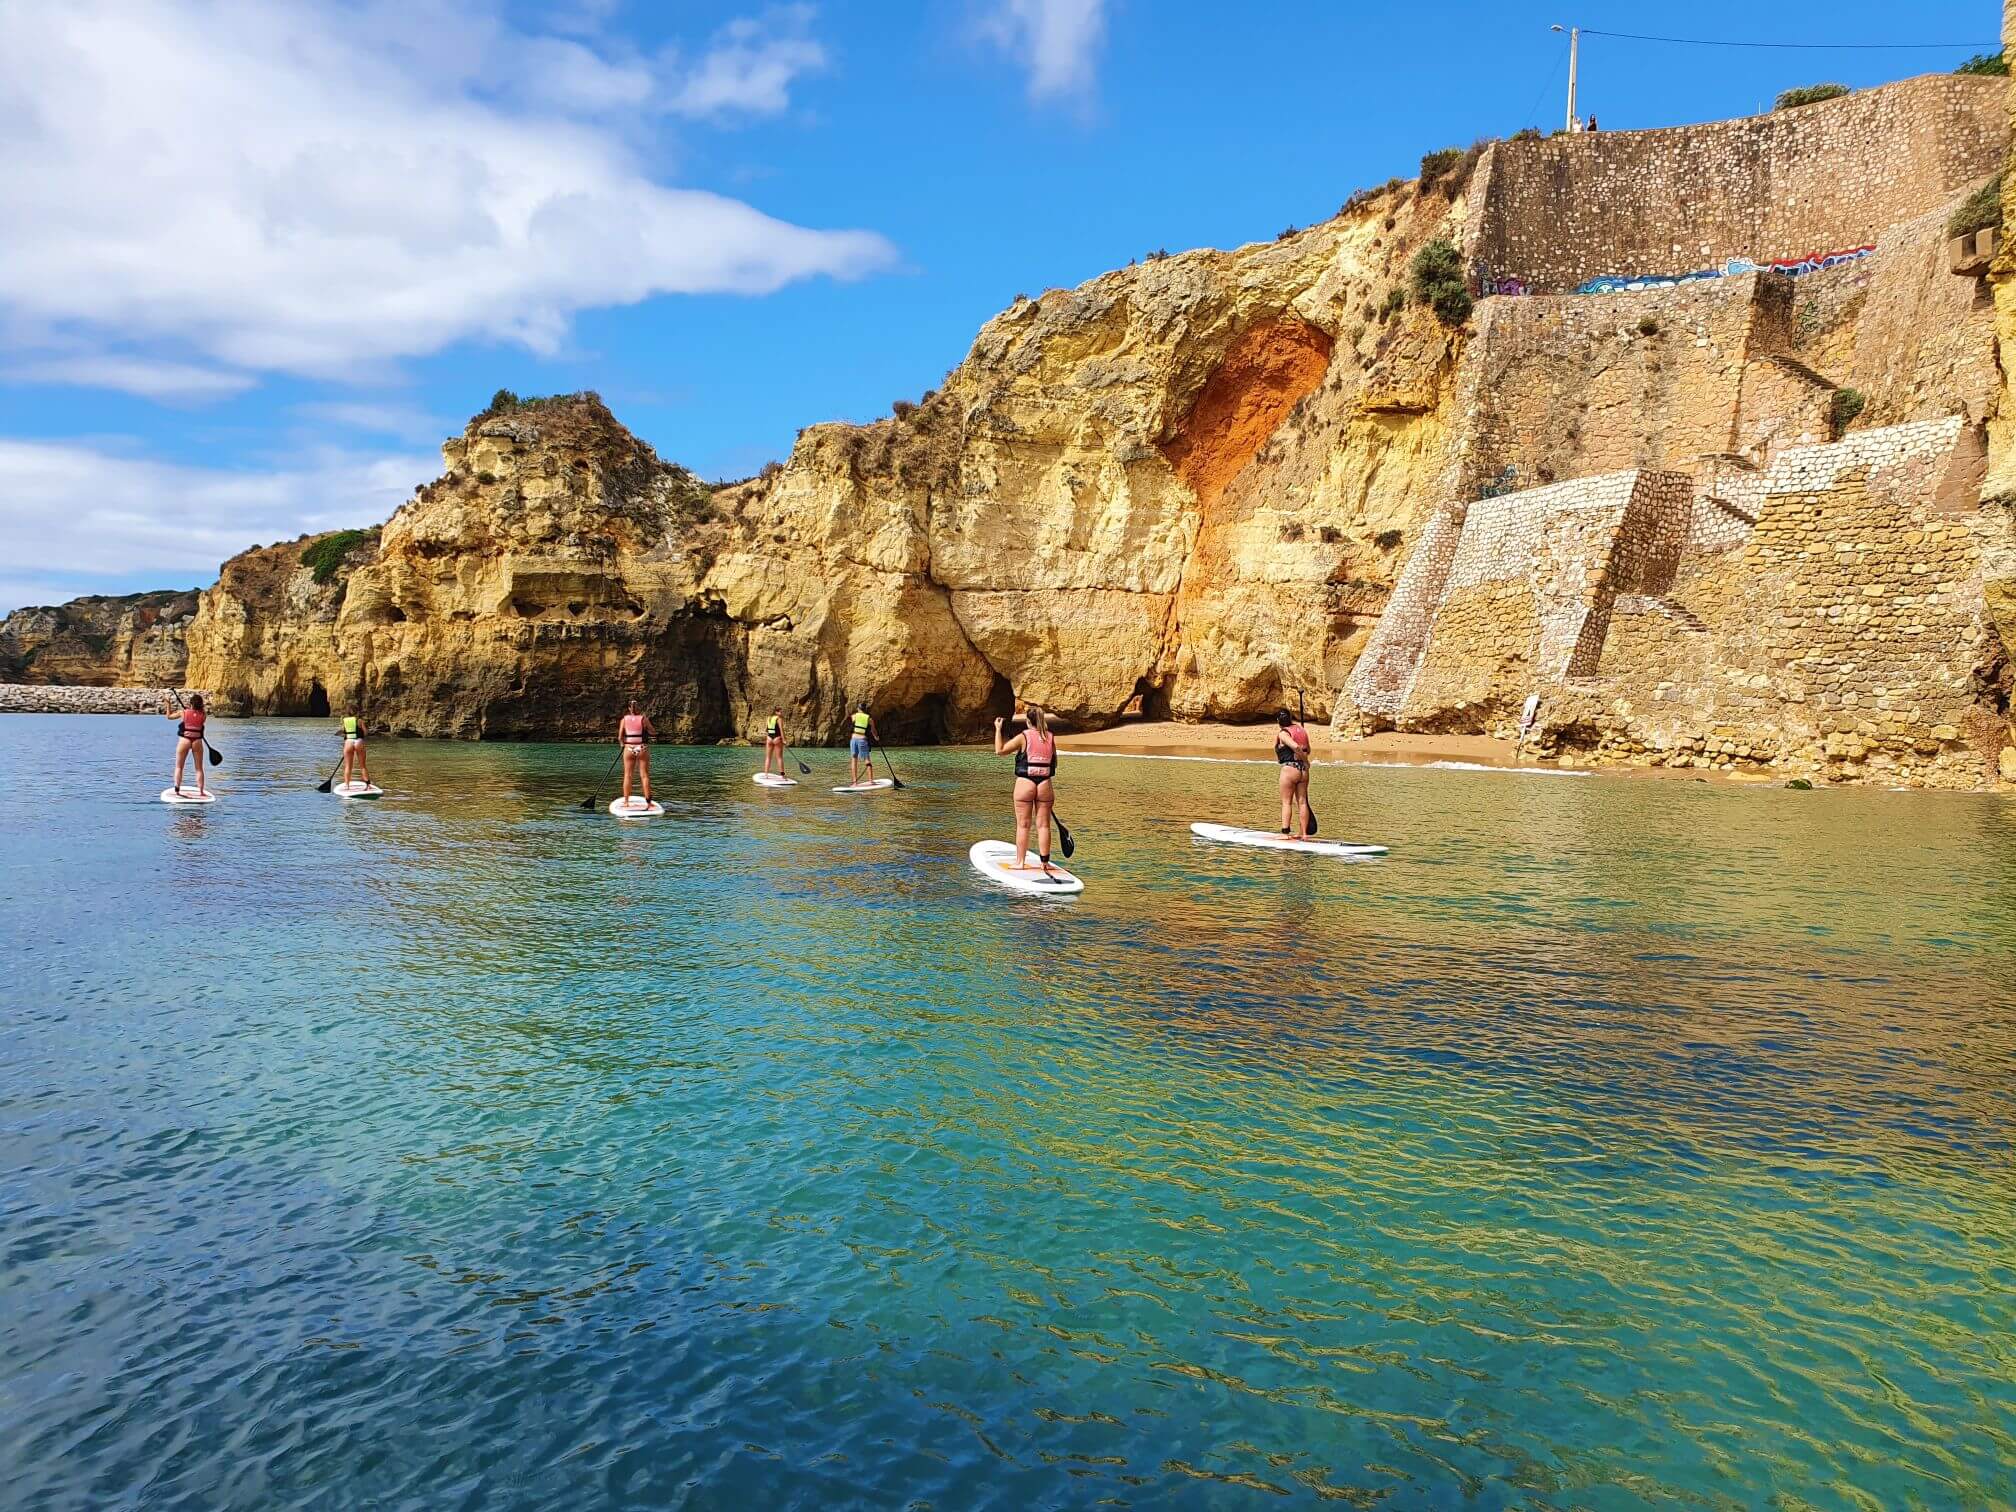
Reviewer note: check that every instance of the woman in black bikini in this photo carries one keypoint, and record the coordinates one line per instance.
(188, 738)
(1291, 749)
(1035, 751)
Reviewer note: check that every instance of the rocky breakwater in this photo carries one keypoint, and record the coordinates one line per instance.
(1178, 489)
(135, 640)
(53, 698)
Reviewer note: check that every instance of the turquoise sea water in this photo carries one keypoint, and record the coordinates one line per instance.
(1611, 1144)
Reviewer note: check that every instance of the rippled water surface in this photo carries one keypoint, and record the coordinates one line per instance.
(1610, 1144)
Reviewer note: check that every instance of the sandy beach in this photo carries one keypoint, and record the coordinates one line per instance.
(1229, 742)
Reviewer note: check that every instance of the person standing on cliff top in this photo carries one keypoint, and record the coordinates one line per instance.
(773, 742)
(633, 734)
(860, 745)
(1291, 750)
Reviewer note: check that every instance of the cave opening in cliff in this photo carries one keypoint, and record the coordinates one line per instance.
(318, 701)
(1147, 704)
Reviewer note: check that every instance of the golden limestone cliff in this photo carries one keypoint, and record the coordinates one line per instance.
(1182, 487)
(1713, 475)
(132, 641)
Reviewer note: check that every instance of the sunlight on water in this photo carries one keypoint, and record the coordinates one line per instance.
(1610, 1144)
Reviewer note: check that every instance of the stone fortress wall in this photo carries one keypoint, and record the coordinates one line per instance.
(1556, 212)
(1841, 634)
(1651, 521)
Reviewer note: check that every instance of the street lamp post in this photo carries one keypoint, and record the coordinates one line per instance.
(1574, 46)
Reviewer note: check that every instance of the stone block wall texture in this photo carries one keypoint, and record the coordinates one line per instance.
(1847, 637)
(1378, 683)
(1559, 211)
(1531, 587)
(1836, 626)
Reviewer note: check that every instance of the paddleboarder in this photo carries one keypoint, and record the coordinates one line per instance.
(861, 746)
(353, 752)
(773, 742)
(1035, 752)
(633, 734)
(188, 738)
(1291, 750)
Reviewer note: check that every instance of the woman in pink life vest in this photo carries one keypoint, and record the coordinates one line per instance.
(633, 734)
(1035, 752)
(1291, 749)
(188, 737)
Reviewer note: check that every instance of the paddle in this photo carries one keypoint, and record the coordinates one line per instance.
(1070, 846)
(1302, 709)
(803, 769)
(889, 764)
(330, 781)
(589, 802)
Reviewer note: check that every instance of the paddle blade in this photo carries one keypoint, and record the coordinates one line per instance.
(216, 757)
(323, 786)
(1064, 834)
(804, 770)
(588, 803)
(1312, 821)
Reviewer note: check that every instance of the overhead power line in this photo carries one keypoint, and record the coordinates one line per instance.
(1800, 46)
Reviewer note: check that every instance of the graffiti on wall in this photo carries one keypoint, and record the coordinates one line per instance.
(1813, 262)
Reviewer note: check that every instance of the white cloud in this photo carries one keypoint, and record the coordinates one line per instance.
(177, 382)
(77, 517)
(1057, 41)
(750, 67)
(327, 188)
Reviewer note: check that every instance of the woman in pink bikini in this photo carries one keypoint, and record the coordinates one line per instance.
(188, 737)
(633, 734)
(1035, 751)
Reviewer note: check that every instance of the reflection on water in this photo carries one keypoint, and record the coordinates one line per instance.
(1609, 1144)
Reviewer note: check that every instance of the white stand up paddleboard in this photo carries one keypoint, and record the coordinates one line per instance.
(771, 779)
(995, 859)
(866, 787)
(187, 795)
(357, 790)
(636, 808)
(1274, 840)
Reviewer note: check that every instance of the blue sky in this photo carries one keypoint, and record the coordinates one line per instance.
(262, 255)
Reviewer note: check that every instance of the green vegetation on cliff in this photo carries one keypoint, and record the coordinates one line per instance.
(325, 557)
(1979, 211)
(1808, 94)
(1437, 273)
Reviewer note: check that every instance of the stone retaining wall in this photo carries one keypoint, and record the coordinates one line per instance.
(41, 698)
(1555, 212)
(1846, 629)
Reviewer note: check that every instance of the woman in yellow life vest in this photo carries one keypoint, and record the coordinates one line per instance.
(773, 742)
(860, 746)
(353, 751)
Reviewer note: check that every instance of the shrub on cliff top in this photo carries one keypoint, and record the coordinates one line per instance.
(1437, 272)
(1846, 404)
(1437, 163)
(1809, 94)
(325, 557)
(1980, 210)
(1996, 64)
